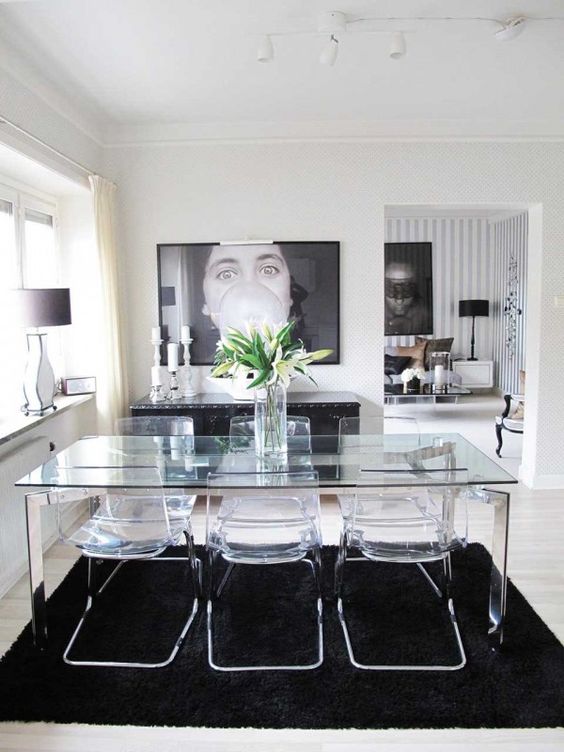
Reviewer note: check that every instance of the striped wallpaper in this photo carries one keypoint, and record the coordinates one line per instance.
(470, 260)
(509, 239)
(462, 269)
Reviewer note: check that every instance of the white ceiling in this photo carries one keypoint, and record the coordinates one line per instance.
(166, 64)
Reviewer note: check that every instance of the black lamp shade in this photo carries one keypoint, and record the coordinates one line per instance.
(473, 307)
(44, 307)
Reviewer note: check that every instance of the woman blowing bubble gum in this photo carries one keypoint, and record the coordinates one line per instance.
(250, 284)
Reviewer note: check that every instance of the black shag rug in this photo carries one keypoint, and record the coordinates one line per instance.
(393, 617)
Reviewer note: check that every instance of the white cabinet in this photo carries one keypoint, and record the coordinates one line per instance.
(475, 374)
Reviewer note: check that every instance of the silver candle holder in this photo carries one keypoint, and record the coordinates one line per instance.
(173, 386)
(156, 394)
(188, 391)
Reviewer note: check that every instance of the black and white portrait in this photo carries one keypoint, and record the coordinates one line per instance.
(408, 293)
(214, 286)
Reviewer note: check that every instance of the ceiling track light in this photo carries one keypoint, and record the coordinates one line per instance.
(510, 29)
(332, 22)
(330, 51)
(265, 51)
(336, 22)
(397, 45)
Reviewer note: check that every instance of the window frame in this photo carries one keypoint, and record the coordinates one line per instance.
(24, 197)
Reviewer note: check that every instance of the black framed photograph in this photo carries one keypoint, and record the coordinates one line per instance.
(212, 286)
(408, 288)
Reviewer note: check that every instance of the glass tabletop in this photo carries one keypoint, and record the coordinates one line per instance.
(186, 461)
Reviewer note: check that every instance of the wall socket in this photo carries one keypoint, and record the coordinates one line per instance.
(559, 301)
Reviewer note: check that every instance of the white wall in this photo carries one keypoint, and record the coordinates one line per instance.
(315, 191)
(18, 457)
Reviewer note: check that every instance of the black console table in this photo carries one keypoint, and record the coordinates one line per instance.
(212, 412)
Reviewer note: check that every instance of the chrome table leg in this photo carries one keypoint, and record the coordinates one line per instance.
(498, 582)
(33, 504)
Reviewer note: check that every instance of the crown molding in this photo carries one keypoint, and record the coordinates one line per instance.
(155, 134)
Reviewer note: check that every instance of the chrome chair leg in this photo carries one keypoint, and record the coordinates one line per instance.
(340, 564)
(315, 565)
(92, 592)
(452, 614)
(225, 579)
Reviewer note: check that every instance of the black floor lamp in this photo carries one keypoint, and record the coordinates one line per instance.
(473, 308)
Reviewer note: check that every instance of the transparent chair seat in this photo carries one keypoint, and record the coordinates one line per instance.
(262, 530)
(127, 525)
(413, 525)
(174, 434)
(105, 539)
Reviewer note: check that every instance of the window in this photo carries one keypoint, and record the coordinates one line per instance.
(28, 258)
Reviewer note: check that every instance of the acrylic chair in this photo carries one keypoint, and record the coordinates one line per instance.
(405, 517)
(365, 433)
(174, 434)
(298, 428)
(263, 519)
(129, 520)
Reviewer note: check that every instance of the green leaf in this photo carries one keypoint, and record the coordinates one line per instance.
(260, 379)
(221, 369)
(259, 352)
(251, 360)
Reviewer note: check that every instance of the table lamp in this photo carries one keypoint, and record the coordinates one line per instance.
(473, 308)
(40, 308)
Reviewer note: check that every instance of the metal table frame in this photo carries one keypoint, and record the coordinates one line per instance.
(498, 500)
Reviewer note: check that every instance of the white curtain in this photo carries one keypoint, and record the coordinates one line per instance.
(112, 377)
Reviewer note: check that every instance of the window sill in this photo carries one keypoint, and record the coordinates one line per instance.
(12, 426)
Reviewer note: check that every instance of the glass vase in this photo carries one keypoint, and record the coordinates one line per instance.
(270, 421)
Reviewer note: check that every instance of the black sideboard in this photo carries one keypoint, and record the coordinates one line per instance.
(212, 412)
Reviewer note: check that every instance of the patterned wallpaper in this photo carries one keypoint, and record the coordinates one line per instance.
(325, 191)
(462, 269)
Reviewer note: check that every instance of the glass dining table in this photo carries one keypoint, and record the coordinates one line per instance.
(184, 462)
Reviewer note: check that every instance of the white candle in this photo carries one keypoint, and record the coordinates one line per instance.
(439, 375)
(172, 352)
(155, 332)
(155, 376)
(185, 333)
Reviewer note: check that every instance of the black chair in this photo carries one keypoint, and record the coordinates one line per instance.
(512, 418)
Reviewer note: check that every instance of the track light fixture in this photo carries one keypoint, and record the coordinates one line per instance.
(330, 51)
(336, 22)
(397, 45)
(510, 29)
(265, 52)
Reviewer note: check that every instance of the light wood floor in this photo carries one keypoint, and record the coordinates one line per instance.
(536, 565)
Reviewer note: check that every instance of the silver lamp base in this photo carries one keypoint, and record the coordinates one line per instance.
(39, 380)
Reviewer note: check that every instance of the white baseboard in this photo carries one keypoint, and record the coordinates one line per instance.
(540, 482)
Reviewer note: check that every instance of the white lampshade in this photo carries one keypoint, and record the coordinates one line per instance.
(329, 52)
(265, 52)
(397, 45)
